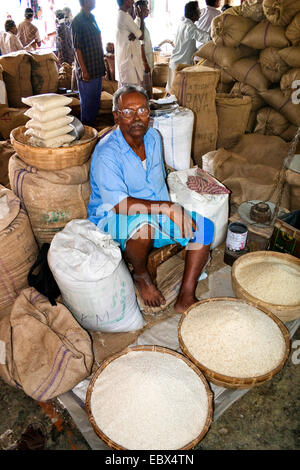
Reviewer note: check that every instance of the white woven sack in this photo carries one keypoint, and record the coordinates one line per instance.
(50, 125)
(176, 129)
(208, 162)
(45, 116)
(94, 281)
(212, 206)
(47, 101)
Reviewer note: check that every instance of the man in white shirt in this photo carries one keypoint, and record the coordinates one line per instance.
(207, 15)
(185, 41)
(146, 48)
(9, 42)
(129, 62)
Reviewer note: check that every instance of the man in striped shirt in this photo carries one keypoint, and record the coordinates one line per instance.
(89, 62)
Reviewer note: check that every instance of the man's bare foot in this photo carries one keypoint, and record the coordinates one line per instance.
(151, 296)
(184, 302)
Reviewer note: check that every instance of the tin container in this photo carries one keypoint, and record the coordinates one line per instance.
(236, 236)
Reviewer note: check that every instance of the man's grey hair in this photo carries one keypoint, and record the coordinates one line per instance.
(127, 89)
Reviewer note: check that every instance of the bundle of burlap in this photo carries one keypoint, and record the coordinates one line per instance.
(287, 81)
(241, 89)
(46, 351)
(6, 151)
(283, 104)
(292, 32)
(160, 75)
(65, 76)
(195, 88)
(222, 55)
(248, 70)
(249, 169)
(233, 115)
(291, 55)
(272, 66)
(44, 73)
(17, 77)
(281, 12)
(270, 122)
(265, 34)
(253, 9)
(229, 30)
(18, 249)
(50, 198)
(10, 118)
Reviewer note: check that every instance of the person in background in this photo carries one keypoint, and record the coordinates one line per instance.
(9, 42)
(185, 42)
(129, 62)
(146, 48)
(207, 15)
(130, 200)
(109, 60)
(27, 32)
(68, 15)
(64, 45)
(89, 62)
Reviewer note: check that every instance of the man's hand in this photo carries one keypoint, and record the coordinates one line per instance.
(147, 68)
(85, 76)
(183, 220)
(131, 37)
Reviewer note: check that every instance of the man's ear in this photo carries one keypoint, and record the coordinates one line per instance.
(116, 117)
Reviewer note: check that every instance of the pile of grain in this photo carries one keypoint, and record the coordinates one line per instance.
(233, 338)
(271, 281)
(149, 400)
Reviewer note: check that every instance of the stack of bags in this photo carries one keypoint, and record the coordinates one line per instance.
(257, 48)
(50, 123)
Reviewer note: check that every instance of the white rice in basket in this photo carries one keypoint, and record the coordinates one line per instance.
(149, 400)
(233, 338)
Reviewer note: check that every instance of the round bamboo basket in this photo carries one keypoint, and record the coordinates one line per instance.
(283, 312)
(114, 445)
(51, 159)
(225, 380)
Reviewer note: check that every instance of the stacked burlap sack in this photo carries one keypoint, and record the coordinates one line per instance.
(256, 47)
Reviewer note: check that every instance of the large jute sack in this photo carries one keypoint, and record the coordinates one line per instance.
(46, 351)
(292, 32)
(253, 9)
(18, 248)
(283, 104)
(109, 85)
(3, 93)
(160, 74)
(196, 90)
(17, 77)
(225, 78)
(242, 89)
(248, 70)
(50, 198)
(10, 118)
(272, 66)
(281, 12)
(251, 122)
(222, 55)
(265, 34)
(287, 81)
(224, 87)
(44, 73)
(229, 30)
(6, 151)
(233, 115)
(65, 76)
(289, 134)
(270, 122)
(291, 55)
(293, 179)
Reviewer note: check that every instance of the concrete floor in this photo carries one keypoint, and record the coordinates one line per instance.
(266, 418)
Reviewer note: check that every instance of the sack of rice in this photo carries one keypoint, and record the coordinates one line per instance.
(196, 90)
(270, 122)
(251, 122)
(288, 135)
(46, 352)
(291, 55)
(233, 110)
(46, 101)
(225, 78)
(272, 66)
(44, 73)
(281, 12)
(160, 75)
(241, 89)
(229, 30)
(49, 125)
(17, 77)
(248, 70)
(18, 248)
(292, 32)
(253, 9)
(10, 118)
(288, 80)
(283, 104)
(221, 55)
(94, 280)
(50, 198)
(265, 34)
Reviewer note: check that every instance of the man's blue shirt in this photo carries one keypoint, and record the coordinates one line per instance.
(117, 173)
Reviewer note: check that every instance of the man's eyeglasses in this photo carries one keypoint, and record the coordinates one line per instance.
(129, 113)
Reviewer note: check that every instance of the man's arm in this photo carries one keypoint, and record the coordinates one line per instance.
(79, 57)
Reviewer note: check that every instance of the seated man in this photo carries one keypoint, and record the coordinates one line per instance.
(130, 199)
